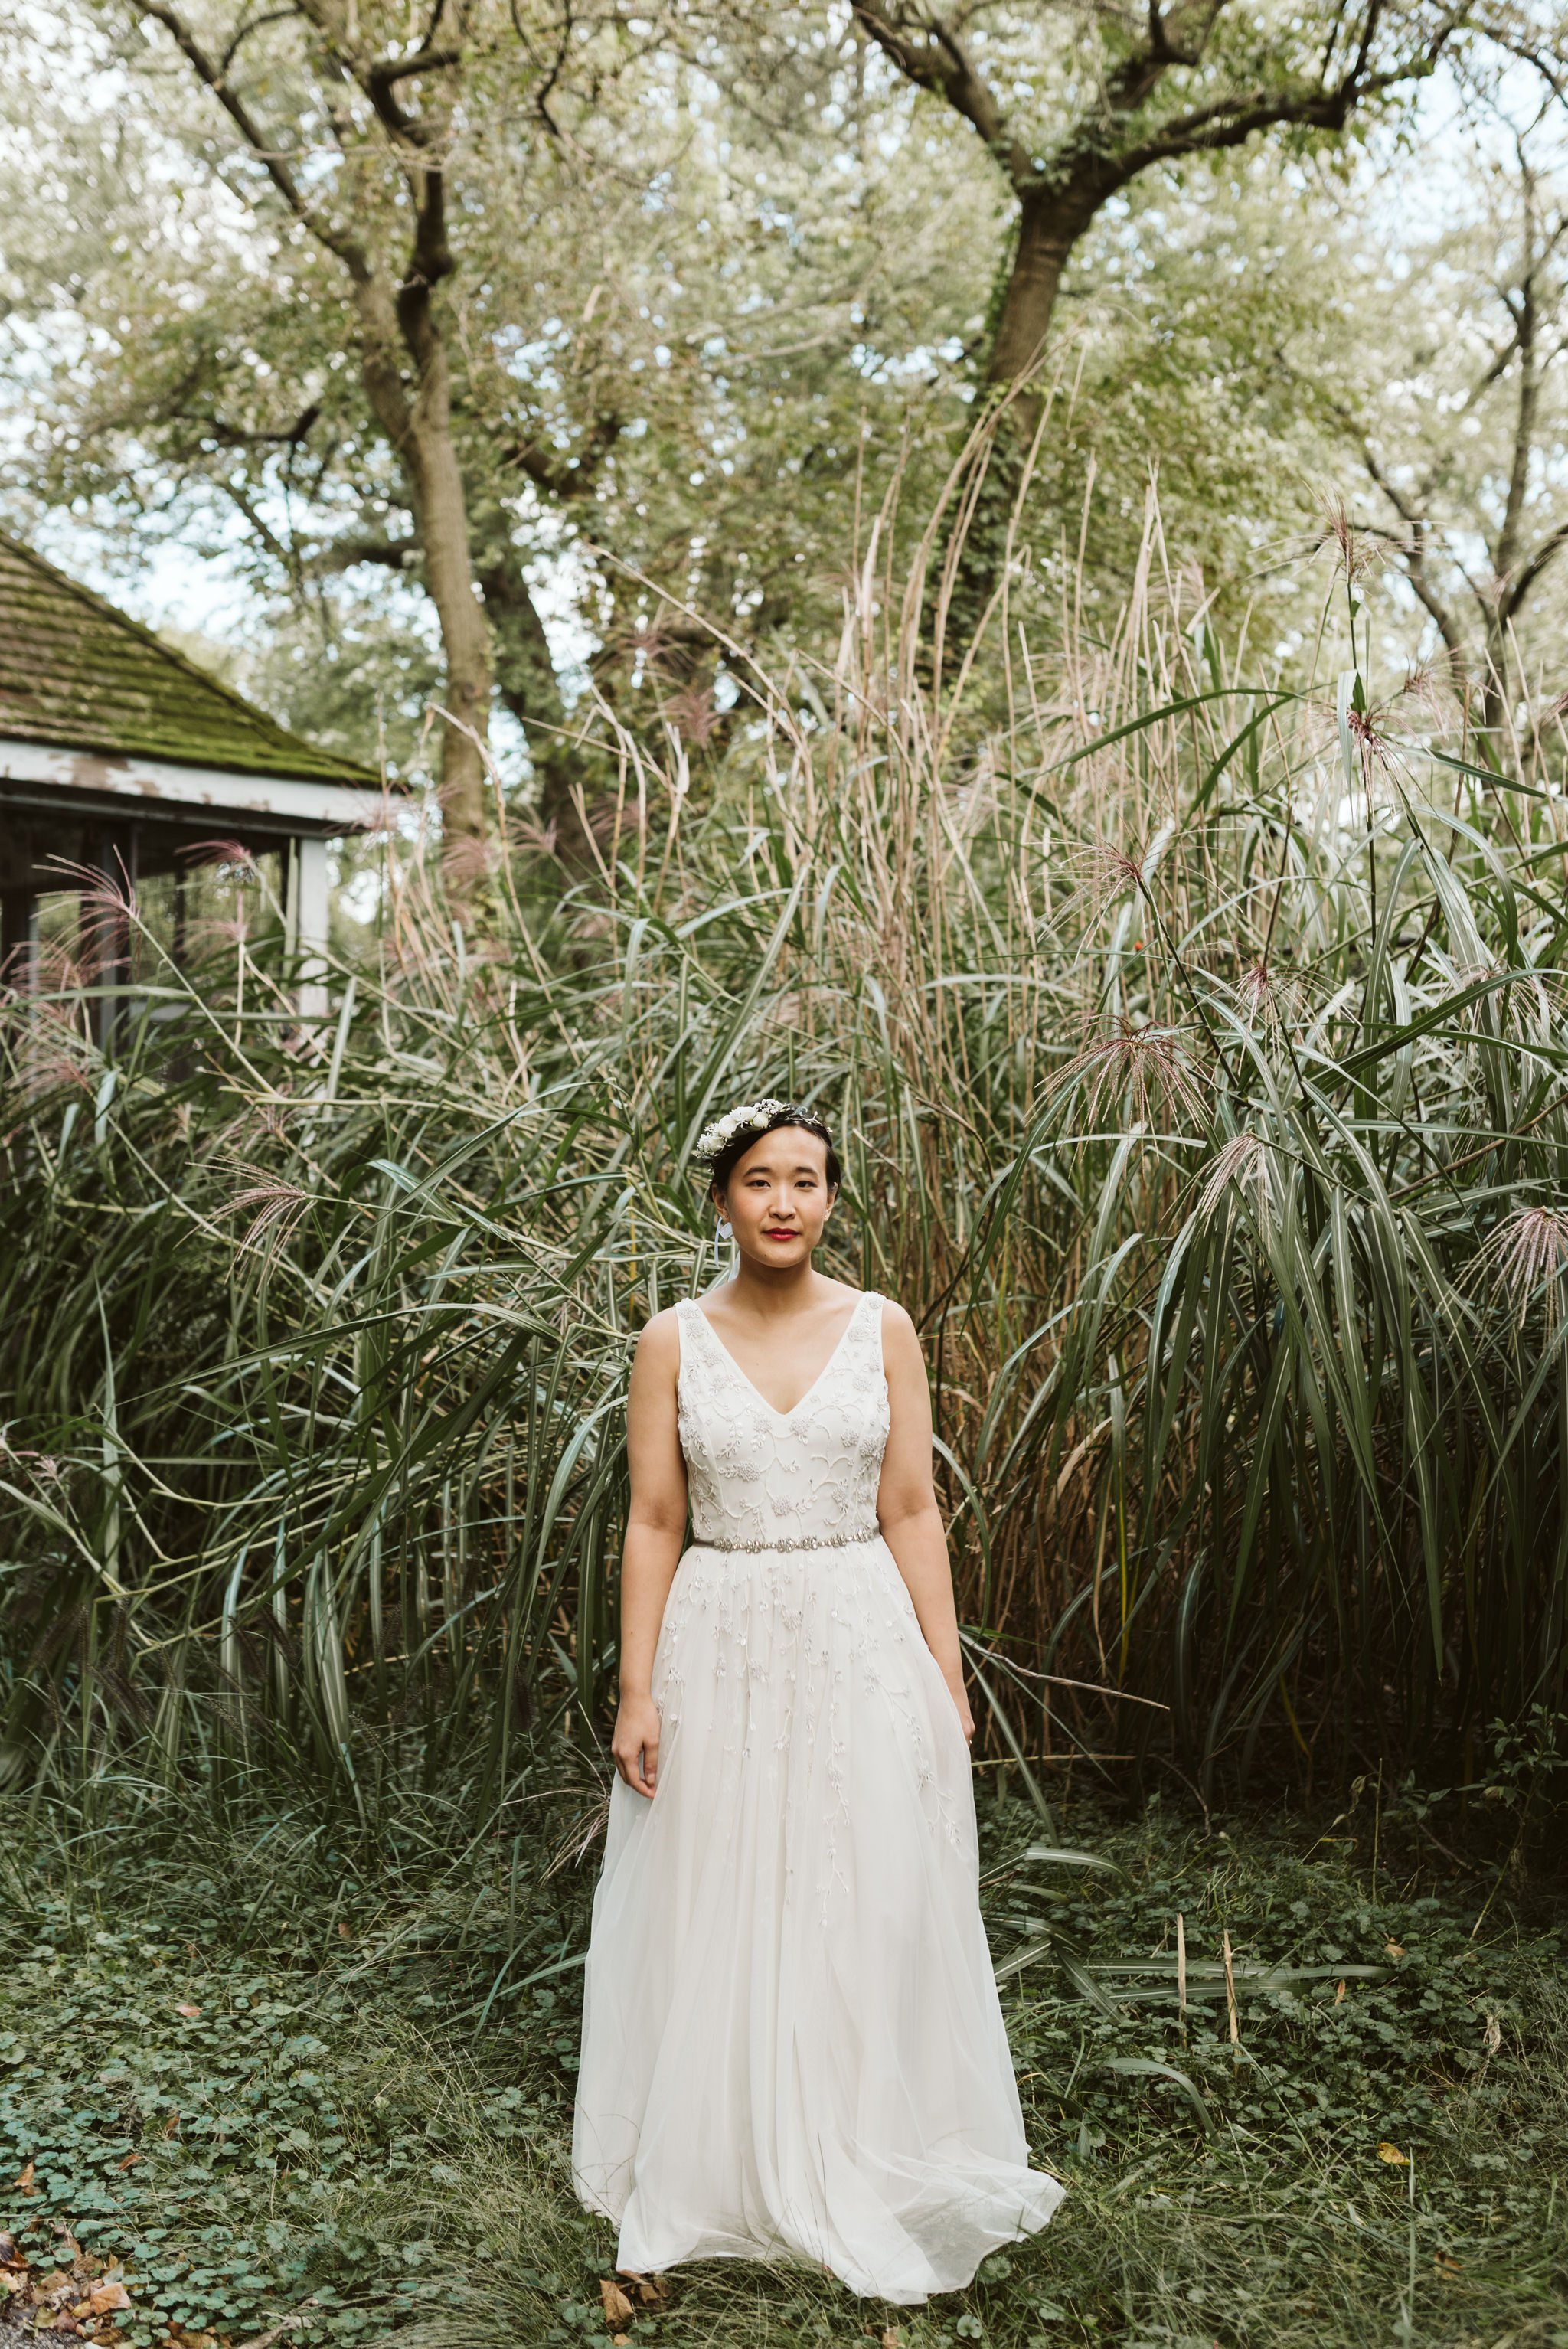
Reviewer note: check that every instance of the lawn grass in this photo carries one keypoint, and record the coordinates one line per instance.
(345, 2133)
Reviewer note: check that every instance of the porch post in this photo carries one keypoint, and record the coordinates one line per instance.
(311, 935)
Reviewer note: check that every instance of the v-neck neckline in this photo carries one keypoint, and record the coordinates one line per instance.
(746, 1377)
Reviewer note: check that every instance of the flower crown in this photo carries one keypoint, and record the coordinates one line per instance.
(717, 1137)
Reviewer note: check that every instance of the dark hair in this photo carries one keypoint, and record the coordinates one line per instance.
(725, 1161)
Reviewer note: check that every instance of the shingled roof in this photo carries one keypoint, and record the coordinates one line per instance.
(76, 674)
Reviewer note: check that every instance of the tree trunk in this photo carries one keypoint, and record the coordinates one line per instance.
(443, 525)
(418, 423)
(1050, 224)
(420, 429)
(526, 681)
(1506, 556)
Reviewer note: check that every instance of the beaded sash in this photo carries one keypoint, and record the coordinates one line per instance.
(807, 1541)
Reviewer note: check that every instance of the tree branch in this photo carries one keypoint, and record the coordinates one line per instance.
(1525, 578)
(229, 436)
(287, 561)
(1415, 553)
(251, 24)
(379, 79)
(391, 554)
(1414, 547)
(565, 480)
(1229, 122)
(936, 60)
(345, 248)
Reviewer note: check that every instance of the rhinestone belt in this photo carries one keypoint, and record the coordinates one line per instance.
(807, 1541)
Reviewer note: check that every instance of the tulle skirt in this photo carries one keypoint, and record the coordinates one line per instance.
(793, 2046)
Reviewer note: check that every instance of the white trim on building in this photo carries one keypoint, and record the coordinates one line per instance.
(160, 784)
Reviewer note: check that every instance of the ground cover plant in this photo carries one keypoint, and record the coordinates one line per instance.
(273, 2080)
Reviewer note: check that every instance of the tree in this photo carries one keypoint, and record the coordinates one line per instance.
(710, 287)
(623, 295)
(384, 102)
(1478, 526)
(1073, 105)
(1450, 390)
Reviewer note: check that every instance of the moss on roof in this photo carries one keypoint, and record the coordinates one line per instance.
(76, 674)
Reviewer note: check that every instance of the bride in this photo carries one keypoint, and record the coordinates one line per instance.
(793, 2046)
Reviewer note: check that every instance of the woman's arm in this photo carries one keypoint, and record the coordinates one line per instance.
(655, 1524)
(907, 1503)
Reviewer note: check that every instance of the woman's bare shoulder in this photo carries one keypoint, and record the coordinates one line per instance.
(659, 1346)
(900, 1338)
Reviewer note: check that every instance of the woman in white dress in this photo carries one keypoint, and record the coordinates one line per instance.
(793, 2046)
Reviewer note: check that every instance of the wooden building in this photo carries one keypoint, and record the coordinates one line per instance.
(121, 758)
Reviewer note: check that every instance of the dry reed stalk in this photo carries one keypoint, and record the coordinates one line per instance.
(1232, 2017)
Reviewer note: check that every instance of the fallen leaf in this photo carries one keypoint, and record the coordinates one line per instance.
(891, 2338)
(56, 2280)
(25, 2182)
(1493, 2035)
(620, 2341)
(188, 2011)
(648, 2288)
(1393, 2157)
(1393, 1948)
(1447, 2265)
(170, 2124)
(343, 1933)
(107, 2296)
(11, 2282)
(618, 2309)
(10, 2256)
(1339, 1995)
(128, 2160)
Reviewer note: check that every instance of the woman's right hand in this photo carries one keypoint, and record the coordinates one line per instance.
(636, 1743)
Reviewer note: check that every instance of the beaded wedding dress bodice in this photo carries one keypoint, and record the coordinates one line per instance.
(760, 1478)
(793, 2046)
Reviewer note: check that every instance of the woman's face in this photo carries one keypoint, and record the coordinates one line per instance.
(778, 1199)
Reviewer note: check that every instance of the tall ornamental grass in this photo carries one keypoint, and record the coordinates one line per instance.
(1195, 1039)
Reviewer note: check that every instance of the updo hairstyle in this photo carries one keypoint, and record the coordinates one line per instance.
(725, 1161)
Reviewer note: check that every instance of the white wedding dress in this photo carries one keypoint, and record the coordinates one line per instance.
(793, 2046)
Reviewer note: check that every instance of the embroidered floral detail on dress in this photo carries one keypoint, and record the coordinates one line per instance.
(759, 1475)
(804, 1637)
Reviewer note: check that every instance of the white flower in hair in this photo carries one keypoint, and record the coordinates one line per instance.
(718, 1136)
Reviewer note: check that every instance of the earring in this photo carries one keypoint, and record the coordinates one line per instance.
(722, 1230)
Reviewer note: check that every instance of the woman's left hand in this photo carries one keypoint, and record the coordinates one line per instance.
(956, 1690)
